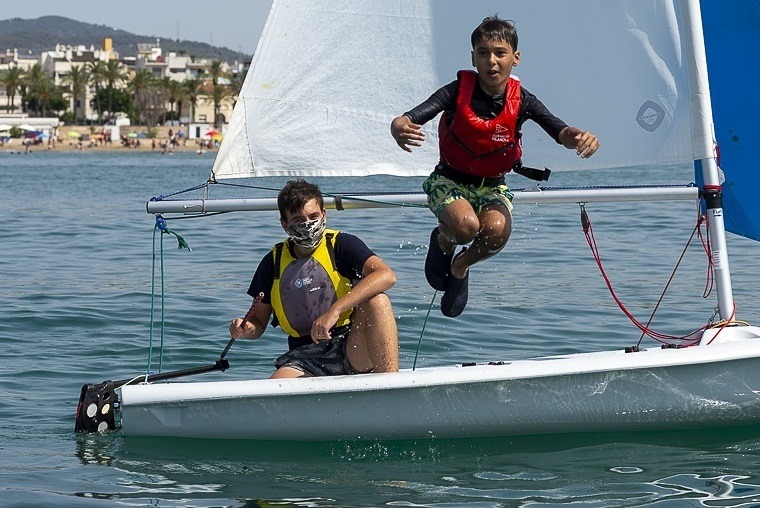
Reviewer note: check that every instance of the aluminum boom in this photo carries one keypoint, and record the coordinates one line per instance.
(589, 195)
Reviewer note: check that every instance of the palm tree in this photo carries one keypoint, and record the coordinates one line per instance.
(138, 86)
(174, 91)
(12, 79)
(113, 74)
(193, 88)
(76, 80)
(33, 80)
(45, 92)
(181, 95)
(219, 94)
(216, 70)
(154, 102)
(97, 73)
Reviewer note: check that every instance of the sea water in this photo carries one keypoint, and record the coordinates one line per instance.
(80, 274)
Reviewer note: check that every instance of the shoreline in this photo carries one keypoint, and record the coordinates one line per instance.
(16, 145)
(65, 142)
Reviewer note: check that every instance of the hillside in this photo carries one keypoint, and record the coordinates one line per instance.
(33, 36)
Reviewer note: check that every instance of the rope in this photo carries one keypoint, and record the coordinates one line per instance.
(153, 300)
(164, 196)
(660, 337)
(162, 226)
(672, 276)
(726, 323)
(422, 332)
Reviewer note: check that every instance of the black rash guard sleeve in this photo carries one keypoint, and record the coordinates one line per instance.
(534, 109)
(350, 255)
(443, 99)
(486, 106)
(263, 279)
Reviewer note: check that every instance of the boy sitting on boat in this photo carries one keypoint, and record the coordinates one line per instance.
(479, 142)
(326, 291)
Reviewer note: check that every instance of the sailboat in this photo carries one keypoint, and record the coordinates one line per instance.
(324, 84)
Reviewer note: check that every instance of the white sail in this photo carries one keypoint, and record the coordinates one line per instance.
(327, 78)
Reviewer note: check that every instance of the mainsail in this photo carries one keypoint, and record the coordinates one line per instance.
(327, 78)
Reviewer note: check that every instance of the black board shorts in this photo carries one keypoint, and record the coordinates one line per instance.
(323, 358)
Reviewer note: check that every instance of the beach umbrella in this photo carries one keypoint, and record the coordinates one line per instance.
(212, 133)
(26, 127)
(73, 134)
(5, 127)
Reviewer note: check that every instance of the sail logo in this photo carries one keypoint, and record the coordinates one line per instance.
(501, 134)
(650, 116)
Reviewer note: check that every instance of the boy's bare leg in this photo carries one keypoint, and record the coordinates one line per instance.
(287, 372)
(373, 340)
(495, 227)
(458, 224)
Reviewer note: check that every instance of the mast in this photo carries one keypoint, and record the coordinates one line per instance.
(704, 146)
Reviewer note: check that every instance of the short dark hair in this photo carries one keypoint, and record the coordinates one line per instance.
(295, 194)
(493, 28)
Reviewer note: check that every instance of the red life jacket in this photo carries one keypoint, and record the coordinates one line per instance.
(479, 146)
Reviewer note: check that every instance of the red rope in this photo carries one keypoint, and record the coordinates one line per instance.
(660, 337)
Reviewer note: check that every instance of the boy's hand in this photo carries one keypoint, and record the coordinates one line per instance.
(320, 328)
(241, 332)
(406, 133)
(584, 142)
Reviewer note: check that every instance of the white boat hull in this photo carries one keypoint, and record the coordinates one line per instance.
(695, 387)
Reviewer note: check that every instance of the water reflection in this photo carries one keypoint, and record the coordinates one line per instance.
(636, 469)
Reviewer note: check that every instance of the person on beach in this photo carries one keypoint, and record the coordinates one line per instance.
(326, 289)
(479, 142)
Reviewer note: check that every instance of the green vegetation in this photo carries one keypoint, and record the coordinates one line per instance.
(42, 34)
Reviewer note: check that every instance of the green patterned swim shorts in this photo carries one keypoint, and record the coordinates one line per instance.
(442, 191)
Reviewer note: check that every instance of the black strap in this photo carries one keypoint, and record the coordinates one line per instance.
(277, 258)
(540, 175)
(331, 250)
(452, 174)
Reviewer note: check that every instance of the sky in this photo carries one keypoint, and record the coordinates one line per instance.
(235, 24)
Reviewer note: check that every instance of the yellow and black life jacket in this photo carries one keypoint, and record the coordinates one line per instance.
(305, 288)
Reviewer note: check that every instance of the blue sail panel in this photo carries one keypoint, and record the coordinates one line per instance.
(732, 43)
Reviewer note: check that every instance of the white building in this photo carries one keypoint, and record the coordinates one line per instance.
(8, 60)
(151, 57)
(170, 65)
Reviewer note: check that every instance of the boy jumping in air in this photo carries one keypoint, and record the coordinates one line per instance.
(479, 142)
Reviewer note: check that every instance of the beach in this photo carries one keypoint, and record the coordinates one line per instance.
(66, 141)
